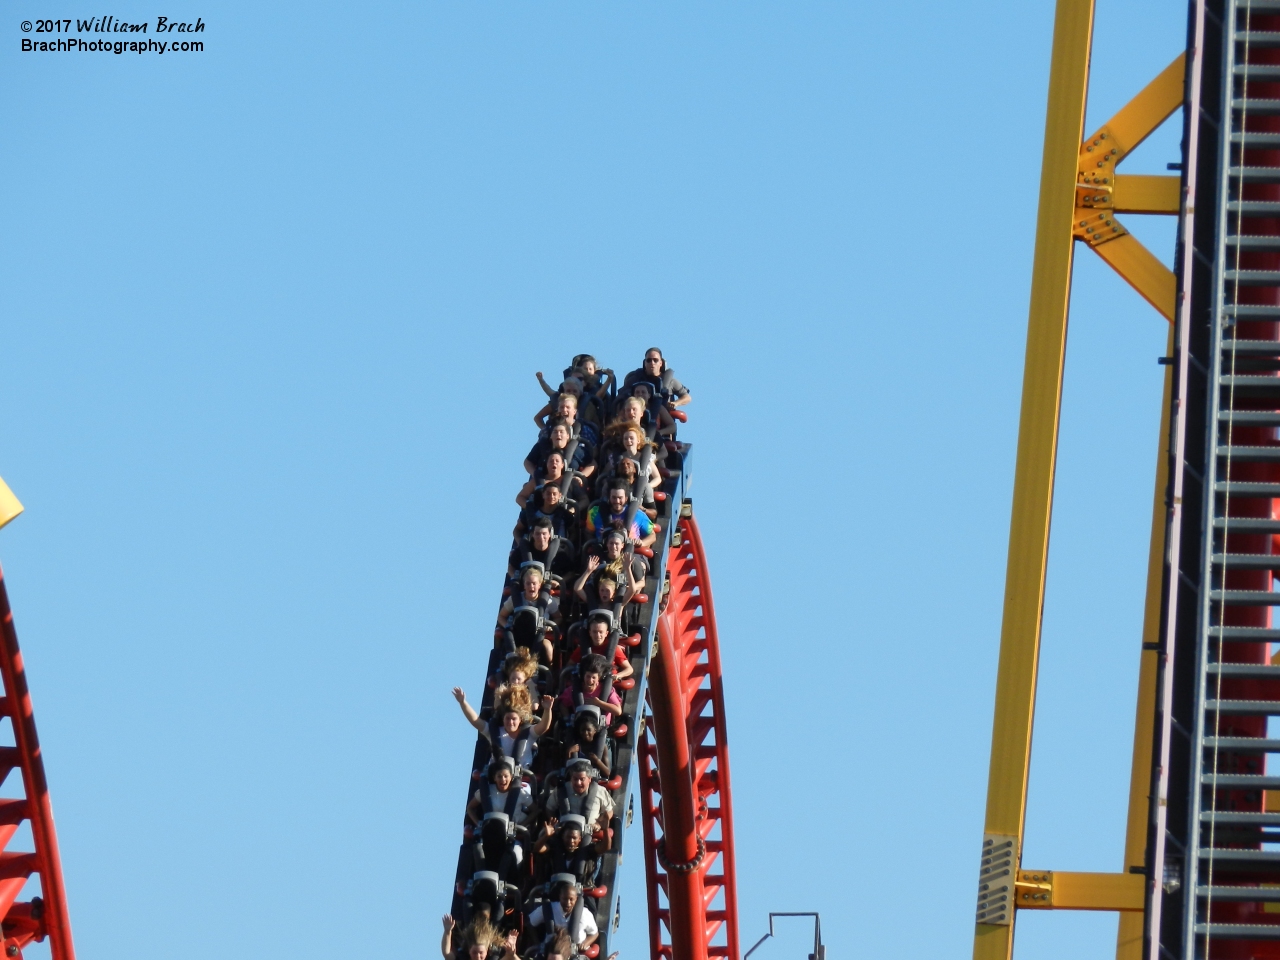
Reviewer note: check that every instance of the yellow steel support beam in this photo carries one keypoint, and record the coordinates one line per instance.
(9, 505)
(1145, 273)
(1136, 120)
(1101, 193)
(1037, 453)
(1129, 937)
(1050, 890)
(1145, 193)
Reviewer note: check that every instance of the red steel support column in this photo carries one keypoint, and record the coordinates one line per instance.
(679, 812)
(52, 920)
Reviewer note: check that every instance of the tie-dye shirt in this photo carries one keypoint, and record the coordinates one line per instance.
(600, 521)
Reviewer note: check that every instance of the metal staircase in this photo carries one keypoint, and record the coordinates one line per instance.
(1217, 848)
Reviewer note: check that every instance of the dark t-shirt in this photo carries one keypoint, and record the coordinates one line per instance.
(562, 518)
(562, 564)
(665, 384)
(583, 455)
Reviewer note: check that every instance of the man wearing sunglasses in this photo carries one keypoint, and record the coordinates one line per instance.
(655, 372)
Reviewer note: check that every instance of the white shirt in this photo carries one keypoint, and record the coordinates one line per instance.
(558, 919)
(500, 800)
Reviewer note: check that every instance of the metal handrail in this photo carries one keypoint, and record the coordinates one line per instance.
(819, 951)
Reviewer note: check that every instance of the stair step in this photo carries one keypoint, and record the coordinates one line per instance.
(1245, 241)
(1253, 278)
(1249, 671)
(1234, 818)
(1244, 708)
(1238, 836)
(1258, 38)
(1257, 71)
(1234, 894)
(1250, 382)
(1240, 452)
(1246, 598)
(1244, 781)
(1246, 634)
(1256, 208)
(1250, 418)
(1240, 931)
(1257, 105)
(1252, 311)
(1265, 348)
(1245, 745)
(1246, 489)
(1246, 524)
(1248, 561)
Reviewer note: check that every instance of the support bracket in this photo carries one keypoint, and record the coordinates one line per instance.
(1101, 193)
(1050, 890)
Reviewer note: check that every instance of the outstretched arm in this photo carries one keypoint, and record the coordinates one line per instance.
(544, 841)
(546, 387)
(544, 724)
(446, 941)
(579, 586)
(468, 711)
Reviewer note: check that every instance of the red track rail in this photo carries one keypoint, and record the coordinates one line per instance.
(46, 915)
(685, 798)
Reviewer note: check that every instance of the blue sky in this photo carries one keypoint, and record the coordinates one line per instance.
(271, 318)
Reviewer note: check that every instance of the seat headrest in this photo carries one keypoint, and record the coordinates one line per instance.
(588, 708)
(574, 820)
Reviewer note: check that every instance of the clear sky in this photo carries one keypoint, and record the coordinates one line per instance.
(269, 319)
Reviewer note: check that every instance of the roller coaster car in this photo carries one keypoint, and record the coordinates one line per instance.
(487, 894)
(544, 899)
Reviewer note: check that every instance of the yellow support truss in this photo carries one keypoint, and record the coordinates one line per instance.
(1080, 197)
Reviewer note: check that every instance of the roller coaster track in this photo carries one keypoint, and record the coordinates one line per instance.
(681, 746)
(689, 754)
(45, 915)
